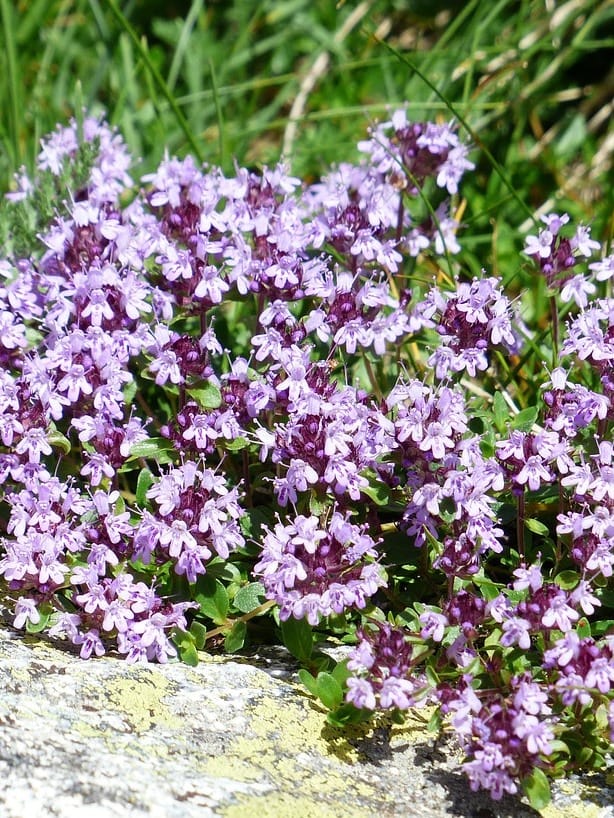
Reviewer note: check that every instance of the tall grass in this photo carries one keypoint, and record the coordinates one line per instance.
(530, 80)
(195, 69)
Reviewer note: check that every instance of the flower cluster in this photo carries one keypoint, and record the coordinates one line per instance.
(313, 572)
(223, 395)
(383, 671)
(506, 737)
(557, 255)
(196, 516)
(472, 321)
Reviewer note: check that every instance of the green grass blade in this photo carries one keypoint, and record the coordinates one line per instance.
(32, 20)
(184, 42)
(157, 79)
(15, 104)
(219, 115)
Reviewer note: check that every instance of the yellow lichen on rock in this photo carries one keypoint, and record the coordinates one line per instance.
(278, 725)
(577, 799)
(141, 700)
(137, 700)
(283, 804)
(579, 810)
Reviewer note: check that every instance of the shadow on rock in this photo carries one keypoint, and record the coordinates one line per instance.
(466, 803)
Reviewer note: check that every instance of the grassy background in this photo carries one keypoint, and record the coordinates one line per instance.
(532, 80)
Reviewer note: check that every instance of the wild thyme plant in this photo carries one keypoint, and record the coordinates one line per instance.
(238, 406)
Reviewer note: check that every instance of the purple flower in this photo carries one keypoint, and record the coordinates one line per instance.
(25, 611)
(412, 152)
(470, 322)
(559, 614)
(531, 697)
(313, 572)
(433, 625)
(516, 631)
(531, 577)
(383, 672)
(556, 255)
(578, 289)
(199, 515)
(360, 693)
(90, 643)
(536, 733)
(604, 269)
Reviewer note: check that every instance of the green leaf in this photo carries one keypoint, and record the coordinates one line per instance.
(227, 572)
(537, 527)
(235, 638)
(397, 716)
(249, 597)
(601, 627)
(37, 627)
(377, 490)
(158, 448)
(188, 653)
(559, 747)
(297, 636)
(317, 504)
(341, 672)
(212, 598)
(346, 714)
(320, 661)
(308, 681)
(602, 717)
(488, 589)
(583, 628)
(584, 756)
(431, 675)
(524, 420)
(493, 640)
(143, 484)
(56, 439)
(130, 392)
(329, 690)
(235, 445)
(207, 394)
(487, 443)
(185, 647)
(537, 788)
(252, 522)
(198, 632)
(435, 722)
(567, 579)
(501, 411)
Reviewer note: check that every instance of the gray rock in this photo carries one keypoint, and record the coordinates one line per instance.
(234, 737)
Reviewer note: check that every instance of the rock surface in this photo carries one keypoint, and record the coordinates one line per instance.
(233, 738)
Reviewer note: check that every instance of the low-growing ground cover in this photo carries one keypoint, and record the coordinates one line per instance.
(246, 404)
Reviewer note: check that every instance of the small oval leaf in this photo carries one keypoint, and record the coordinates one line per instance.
(298, 638)
(249, 597)
(235, 638)
(537, 788)
(329, 690)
